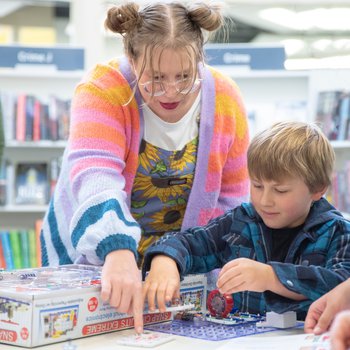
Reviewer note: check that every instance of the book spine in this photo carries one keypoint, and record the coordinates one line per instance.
(25, 248)
(21, 118)
(36, 120)
(10, 175)
(5, 240)
(29, 117)
(9, 114)
(15, 245)
(44, 122)
(2, 257)
(32, 248)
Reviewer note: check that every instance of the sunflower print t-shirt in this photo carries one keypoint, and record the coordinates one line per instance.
(161, 189)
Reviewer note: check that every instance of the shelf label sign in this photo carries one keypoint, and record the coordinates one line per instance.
(57, 58)
(245, 56)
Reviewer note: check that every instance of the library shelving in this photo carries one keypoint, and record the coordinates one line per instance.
(47, 86)
(269, 96)
(275, 95)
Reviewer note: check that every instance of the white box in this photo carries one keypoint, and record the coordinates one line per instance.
(47, 305)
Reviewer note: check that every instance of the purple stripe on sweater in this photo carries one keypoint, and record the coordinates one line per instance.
(198, 198)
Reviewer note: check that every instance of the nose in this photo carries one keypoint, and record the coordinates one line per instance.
(170, 89)
(266, 198)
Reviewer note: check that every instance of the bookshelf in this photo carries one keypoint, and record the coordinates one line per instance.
(276, 95)
(269, 96)
(46, 83)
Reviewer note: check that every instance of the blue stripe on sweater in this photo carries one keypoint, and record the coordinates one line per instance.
(56, 239)
(95, 213)
(44, 256)
(115, 242)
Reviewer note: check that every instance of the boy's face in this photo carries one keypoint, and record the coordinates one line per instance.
(282, 204)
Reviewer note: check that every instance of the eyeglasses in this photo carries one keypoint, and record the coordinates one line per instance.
(182, 86)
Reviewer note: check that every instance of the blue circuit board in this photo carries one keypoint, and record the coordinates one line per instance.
(210, 330)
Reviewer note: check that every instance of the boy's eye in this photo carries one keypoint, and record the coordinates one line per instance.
(281, 191)
(257, 186)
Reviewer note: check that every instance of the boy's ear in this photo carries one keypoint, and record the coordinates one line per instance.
(318, 195)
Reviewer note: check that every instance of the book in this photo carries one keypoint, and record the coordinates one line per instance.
(32, 248)
(24, 248)
(2, 258)
(21, 118)
(36, 120)
(15, 245)
(327, 113)
(31, 183)
(44, 122)
(29, 117)
(6, 248)
(53, 118)
(344, 117)
(10, 174)
(55, 168)
(8, 103)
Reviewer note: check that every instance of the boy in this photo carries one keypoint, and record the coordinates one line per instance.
(280, 252)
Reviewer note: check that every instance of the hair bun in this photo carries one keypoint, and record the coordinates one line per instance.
(122, 19)
(206, 16)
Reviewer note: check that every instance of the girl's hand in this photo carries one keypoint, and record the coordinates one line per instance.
(121, 285)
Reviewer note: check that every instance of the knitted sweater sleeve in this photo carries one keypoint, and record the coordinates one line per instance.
(103, 148)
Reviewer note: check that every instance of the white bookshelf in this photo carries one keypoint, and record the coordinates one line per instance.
(40, 83)
(264, 90)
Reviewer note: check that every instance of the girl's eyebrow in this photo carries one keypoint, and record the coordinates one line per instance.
(156, 72)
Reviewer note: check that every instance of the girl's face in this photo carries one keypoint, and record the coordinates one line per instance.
(172, 75)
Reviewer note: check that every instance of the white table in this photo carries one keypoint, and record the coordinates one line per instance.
(108, 342)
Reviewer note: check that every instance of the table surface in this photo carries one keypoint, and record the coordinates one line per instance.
(108, 342)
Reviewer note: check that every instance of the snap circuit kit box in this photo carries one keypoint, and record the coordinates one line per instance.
(47, 305)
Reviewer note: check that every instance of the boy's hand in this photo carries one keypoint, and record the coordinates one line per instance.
(162, 282)
(244, 274)
(121, 285)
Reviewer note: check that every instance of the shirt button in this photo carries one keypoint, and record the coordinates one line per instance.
(290, 283)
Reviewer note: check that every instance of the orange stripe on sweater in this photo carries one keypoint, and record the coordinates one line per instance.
(97, 131)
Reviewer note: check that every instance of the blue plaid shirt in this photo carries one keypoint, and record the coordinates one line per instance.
(317, 260)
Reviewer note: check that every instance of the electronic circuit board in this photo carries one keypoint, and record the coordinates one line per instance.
(204, 328)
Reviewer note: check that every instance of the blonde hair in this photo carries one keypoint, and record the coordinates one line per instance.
(164, 26)
(292, 149)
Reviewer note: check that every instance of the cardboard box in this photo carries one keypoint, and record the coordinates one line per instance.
(47, 305)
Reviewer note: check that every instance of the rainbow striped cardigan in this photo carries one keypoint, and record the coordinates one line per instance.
(89, 213)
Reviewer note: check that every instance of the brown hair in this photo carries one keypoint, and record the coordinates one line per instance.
(292, 148)
(164, 26)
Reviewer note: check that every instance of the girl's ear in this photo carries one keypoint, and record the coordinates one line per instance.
(318, 195)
